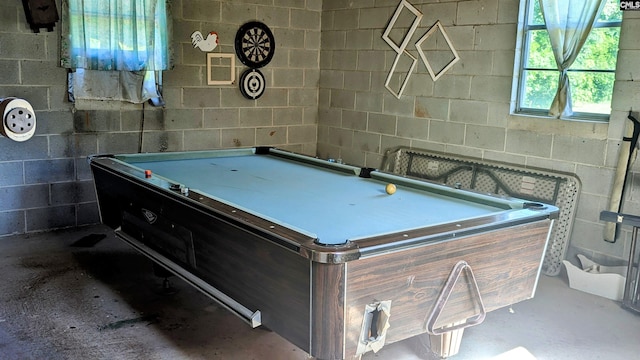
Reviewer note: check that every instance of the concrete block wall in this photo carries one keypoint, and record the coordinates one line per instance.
(42, 181)
(45, 182)
(326, 81)
(467, 110)
(206, 117)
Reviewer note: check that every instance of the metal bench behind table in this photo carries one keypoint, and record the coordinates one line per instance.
(557, 188)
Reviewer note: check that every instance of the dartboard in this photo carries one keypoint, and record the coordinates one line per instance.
(255, 44)
(252, 84)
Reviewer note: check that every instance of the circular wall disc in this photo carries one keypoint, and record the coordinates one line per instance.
(255, 44)
(252, 84)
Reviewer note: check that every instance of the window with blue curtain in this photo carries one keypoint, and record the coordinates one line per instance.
(115, 49)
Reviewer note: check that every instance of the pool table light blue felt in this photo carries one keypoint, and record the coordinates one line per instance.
(330, 205)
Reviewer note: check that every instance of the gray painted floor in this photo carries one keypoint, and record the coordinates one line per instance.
(59, 301)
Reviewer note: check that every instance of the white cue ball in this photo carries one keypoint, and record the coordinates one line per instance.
(390, 189)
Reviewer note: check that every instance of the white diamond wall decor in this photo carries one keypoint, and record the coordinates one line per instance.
(406, 79)
(400, 47)
(404, 4)
(436, 27)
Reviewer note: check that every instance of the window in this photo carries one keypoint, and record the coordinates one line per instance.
(591, 75)
(115, 49)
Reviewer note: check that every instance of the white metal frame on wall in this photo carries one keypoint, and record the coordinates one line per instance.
(400, 49)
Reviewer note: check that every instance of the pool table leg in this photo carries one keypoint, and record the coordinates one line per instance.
(443, 345)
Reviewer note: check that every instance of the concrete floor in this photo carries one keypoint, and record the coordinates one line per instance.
(60, 301)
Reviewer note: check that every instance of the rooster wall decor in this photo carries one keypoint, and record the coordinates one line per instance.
(205, 44)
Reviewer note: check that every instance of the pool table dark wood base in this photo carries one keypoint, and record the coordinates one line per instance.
(320, 306)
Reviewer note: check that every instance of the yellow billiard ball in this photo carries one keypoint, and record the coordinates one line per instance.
(390, 189)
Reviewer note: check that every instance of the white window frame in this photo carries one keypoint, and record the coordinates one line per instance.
(522, 50)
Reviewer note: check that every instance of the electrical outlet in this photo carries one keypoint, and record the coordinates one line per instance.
(19, 120)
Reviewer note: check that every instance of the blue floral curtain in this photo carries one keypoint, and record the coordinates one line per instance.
(116, 35)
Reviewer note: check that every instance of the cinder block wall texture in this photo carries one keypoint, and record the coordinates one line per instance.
(45, 182)
(467, 110)
(325, 96)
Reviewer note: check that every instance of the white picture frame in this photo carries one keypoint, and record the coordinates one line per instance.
(437, 26)
(392, 71)
(404, 4)
(232, 69)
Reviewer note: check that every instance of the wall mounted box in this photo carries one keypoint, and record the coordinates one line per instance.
(41, 14)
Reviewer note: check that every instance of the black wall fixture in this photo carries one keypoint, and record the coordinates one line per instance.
(41, 14)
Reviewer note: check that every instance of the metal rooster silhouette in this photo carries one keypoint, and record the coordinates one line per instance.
(205, 44)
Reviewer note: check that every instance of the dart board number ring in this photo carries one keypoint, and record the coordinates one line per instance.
(255, 44)
(252, 84)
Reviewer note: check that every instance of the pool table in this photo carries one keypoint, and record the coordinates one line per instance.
(318, 251)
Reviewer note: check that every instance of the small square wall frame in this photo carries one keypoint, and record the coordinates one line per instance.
(232, 69)
(437, 26)
(418, 16)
